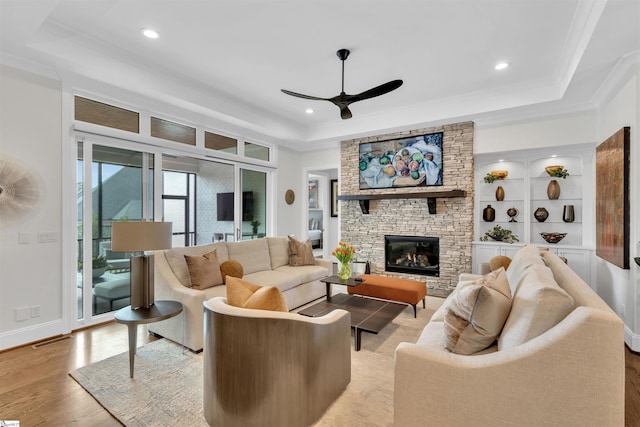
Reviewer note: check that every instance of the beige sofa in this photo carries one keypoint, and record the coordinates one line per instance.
(265, 261)
(571, 374)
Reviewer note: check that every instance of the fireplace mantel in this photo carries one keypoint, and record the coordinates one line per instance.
(431, 197)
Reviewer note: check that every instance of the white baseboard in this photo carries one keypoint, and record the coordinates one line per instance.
(632, 340)
(29, 334)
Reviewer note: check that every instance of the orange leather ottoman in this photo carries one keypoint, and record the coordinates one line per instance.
(391, 288)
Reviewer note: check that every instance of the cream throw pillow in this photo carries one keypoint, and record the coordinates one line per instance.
(300, 253)
(538, 305)
(241, 293)
(527, 256)
(475, 315)
(204, 270)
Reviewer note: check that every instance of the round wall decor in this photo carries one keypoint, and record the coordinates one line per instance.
(21, 191)
(289, 196)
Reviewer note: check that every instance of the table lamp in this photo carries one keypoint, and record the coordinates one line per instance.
(138, 236)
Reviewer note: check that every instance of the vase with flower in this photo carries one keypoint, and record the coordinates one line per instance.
(344, 254)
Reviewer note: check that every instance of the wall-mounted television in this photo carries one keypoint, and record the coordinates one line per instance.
(225, 206)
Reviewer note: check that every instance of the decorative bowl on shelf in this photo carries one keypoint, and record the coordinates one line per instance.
(552, 168)
(553, 237)
(500, 174)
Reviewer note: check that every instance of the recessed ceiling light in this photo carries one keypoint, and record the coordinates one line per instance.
(309, 111)
(501, 65)
(149, 33)
(554, 155)
(501, 160)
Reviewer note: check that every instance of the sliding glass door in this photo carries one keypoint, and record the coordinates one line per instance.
(210, 201)
(114, 184)
(253, 203)
(207, 201)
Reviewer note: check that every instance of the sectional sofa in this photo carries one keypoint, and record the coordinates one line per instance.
(265, 261)
(558, 360)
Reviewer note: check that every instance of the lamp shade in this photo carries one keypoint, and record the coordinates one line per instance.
(135, 236)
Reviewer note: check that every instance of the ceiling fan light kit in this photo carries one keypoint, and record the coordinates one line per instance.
(343, 100)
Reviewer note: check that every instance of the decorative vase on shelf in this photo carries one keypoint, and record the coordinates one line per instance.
(541, 214)
(489, 214)
(345, 270)
(553, 190)
(499, 194)
(513, 213)
(568, 214)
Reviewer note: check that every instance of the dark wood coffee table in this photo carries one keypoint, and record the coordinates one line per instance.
(367, 314)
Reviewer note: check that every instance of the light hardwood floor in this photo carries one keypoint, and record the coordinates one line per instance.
(35, 387)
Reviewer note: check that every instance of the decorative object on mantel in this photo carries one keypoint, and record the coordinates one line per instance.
(344, 254)
(500, 234)
(557, 171)
(568, 213)
(553, 190)
(489, 214)
(553, 237)
(613, 221)
(405, 162)
(513, 213)
(500, 174)
(499, 193)
(541, 214)
(289, 196)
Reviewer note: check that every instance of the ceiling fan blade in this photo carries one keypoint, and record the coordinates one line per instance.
(300, 95)
(345, 113)
(376, 91)
(343, 100)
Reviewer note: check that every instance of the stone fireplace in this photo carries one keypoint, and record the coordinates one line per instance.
(412, 254)
(452, 223)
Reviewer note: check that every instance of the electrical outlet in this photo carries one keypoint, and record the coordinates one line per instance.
(35, 311)
(22, 313)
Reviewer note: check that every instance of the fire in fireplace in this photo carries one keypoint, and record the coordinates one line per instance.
(412, 254)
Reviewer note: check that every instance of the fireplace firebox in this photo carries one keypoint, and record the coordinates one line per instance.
(412, 254)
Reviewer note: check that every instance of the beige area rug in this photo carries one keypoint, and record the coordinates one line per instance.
(167, 388)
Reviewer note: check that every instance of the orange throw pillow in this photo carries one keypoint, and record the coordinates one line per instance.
(231, 268)
(241, 293)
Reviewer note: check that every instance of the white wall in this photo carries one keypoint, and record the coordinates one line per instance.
(288, 218)
(621, 288)
(549, 132)
(30, 130)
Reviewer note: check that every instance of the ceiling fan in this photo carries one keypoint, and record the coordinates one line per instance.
(343, 100)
